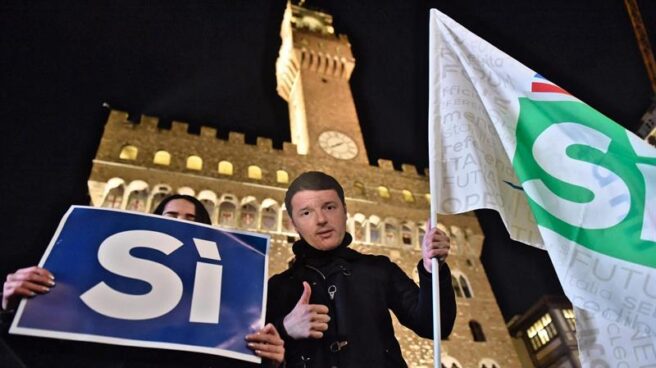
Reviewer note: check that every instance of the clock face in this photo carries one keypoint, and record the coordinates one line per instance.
(338, 145)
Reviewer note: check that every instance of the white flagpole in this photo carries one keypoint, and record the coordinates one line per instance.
(433, 100)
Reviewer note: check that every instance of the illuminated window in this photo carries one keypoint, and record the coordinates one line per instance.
(407, 196)
(450, 362)
(374, 229)
(209, 206)
(225, 168)
(187, 191)
(406, 235)
(227, 213)
(476, 331)
(208, 199)
(269, 215)
(541, 332)
(247, 216)
(137, 200)
(359, 227)
(383, 192)
(391, 234)
(282, 176)
(570, 318)
(488, 363)
(129, 152)
(194, 163)
(160, 193)
(254, 172)
(162, 158)
(114, 193)
(428, 197)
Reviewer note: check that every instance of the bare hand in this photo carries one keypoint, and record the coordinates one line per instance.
(26, 282)
(266, 343)
(435, 244)
(307, 320)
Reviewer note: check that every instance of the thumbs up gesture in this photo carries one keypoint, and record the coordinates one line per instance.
(306, 320)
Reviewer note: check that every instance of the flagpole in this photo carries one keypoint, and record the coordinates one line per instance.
(432, 175)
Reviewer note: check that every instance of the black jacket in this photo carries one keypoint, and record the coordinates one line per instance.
(359, 291)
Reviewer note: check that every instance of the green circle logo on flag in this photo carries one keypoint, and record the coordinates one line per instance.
(584, 179)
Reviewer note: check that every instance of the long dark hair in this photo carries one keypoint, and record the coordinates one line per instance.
(201, 213)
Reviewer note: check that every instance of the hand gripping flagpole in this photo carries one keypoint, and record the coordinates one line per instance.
(433, 102)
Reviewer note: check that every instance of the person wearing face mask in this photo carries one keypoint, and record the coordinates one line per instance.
(332, 305)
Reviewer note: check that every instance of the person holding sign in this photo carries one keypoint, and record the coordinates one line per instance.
(32, 281)
(332, 305)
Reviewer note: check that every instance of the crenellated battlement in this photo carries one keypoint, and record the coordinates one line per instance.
(149, 145)
(118, 121)
(132, 132)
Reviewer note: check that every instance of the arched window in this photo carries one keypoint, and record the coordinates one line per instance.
(225, 168)
(128, 152)
(359, 188)
(476, 331)
(254, 172)
(407, 196)
(187, 191)
(456, 286)
(374, 229)
(160, 192)
(248, 213)
(208, 199)
(450, 362)
(269, 215)
(227, 211)
(162, 158)
(406, 234)
(114, 191)
(359, 227)
(383, 192)
(488, 363)
(137, 200)
(391, 232)
(466, 290)
(137, 196)
(282, 177)
(194, 163)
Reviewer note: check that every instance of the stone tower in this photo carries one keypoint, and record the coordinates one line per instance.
(242, 186)
(313, 72)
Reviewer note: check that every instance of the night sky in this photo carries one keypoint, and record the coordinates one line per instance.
(213, 62)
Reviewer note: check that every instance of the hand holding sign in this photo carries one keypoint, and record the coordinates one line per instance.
(266, 343)
(307, 320)
(25, 282)
(143, 280)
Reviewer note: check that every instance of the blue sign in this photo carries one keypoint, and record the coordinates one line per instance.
(144, 280)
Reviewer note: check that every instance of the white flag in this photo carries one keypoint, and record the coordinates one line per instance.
(562, 176)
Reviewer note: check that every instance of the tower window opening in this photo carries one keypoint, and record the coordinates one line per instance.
(129, 152)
